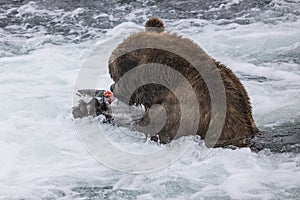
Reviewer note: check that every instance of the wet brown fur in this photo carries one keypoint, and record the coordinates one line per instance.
(239, 124)
(154, 24)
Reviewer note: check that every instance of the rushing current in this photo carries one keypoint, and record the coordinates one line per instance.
(43, 45)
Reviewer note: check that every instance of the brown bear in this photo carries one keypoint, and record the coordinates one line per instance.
(239, 126)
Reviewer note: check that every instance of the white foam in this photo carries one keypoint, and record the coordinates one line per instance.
(42, 156)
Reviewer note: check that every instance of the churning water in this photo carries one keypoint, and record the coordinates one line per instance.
(43, 45)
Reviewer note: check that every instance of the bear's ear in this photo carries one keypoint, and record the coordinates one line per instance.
(155, 24)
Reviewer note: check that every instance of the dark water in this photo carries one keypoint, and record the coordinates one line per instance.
(280, 138)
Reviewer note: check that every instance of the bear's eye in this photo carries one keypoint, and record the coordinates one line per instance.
(112, 87)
